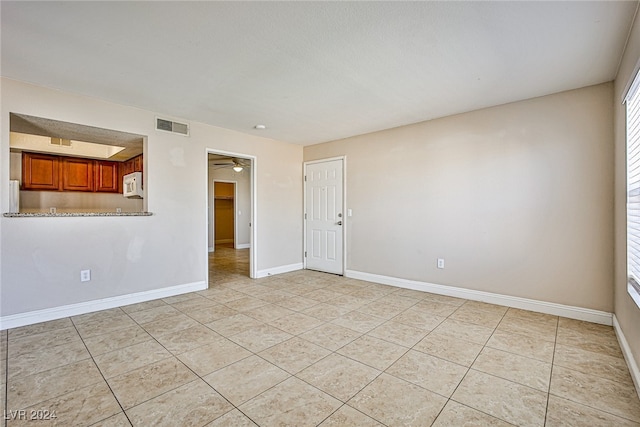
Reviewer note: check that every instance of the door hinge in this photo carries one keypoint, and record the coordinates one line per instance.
(305, 216)
(305, 254)
(305, 178)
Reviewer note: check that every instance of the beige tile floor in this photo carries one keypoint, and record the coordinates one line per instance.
(308, 349)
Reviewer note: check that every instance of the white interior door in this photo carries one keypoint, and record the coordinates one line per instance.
(324, 216)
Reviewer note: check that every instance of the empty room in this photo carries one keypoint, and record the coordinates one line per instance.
(320, 213)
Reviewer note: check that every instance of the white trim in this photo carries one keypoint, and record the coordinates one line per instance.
(243, 246)
(628, 355)
(627, 92)
(328, 159)
(344, 209)
(253, 235)
(304, 215)
(31, 317)
(279, 270)
(633, 294)
(634, 85)
(212, 248)
(571, 312)
(344, 215)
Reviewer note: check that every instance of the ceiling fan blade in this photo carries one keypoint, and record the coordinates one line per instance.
(244, 163)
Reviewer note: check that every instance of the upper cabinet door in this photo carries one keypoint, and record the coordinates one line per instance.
(137, 163)
(40, 172)
(132, 165)
(107, 179)
(77, 174)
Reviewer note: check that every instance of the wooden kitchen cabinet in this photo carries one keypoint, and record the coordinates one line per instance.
(132, 165)
(45, 172)
(137, 163)
(126, 168)
(77, 174)
(40, 172)
(107, 178)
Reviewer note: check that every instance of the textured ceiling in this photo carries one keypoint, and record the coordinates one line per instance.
(313, 71)
(22, 123)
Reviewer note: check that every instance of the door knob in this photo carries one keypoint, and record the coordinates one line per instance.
(339, 223)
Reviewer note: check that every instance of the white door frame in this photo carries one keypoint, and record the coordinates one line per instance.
(344, 209)
(253, 232)
(235, 211)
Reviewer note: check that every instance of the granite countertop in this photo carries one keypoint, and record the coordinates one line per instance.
(72, 214)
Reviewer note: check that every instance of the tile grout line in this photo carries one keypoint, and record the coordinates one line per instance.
(331, 353)
(343, 403)
(450, 398)
(172, 355)
(42, 372)
(6, 379)
(198, 377)
(102, 375)
(570, 399)
(553, 358)
(384, 371)
(153, 338)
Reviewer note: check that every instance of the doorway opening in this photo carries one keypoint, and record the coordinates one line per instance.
(224, 210)
(231, 213)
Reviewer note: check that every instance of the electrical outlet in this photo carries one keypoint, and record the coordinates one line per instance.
(440, 262)
(85, 275)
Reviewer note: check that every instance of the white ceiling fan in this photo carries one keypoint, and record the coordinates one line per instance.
(230, 162)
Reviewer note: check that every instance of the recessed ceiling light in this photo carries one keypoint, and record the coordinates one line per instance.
(260, 127)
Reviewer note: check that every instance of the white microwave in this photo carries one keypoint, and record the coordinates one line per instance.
(132, 185)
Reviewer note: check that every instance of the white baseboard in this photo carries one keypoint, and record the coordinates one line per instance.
(31, 317)
(279, 270)
(212, 248)
(571, 312)
(221, 241)
(243, 246)
(628, 356)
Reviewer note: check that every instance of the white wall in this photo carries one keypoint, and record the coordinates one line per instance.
(41, 258)
(517, 199)
(242, 202)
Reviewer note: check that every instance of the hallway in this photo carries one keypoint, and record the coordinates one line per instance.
(227, 264)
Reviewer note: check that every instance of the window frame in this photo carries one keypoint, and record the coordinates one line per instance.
(632, 185)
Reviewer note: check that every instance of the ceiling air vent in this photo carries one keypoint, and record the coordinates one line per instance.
(61, 142)
(170, 126)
